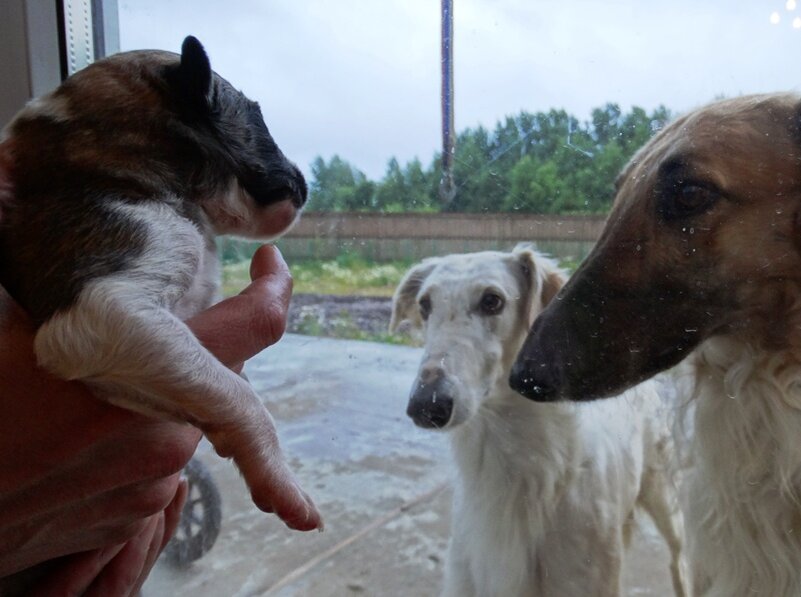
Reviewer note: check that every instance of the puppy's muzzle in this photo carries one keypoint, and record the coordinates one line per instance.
(431, 402)
(284, 184)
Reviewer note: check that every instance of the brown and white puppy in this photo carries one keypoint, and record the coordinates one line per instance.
(119, 181)
(702, 251)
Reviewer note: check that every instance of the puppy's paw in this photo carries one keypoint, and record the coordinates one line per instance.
(275, 490)
(253, 444)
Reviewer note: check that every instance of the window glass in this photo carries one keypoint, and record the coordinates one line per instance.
(551, 99)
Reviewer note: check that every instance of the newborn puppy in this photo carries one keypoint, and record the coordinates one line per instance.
(119, 181)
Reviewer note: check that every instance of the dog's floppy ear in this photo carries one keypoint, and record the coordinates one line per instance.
(192, 79)
(404, 301)
(543, 277)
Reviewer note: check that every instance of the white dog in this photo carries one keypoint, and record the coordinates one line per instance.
(546, 493)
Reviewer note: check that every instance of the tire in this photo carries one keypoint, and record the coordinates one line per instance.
(200, 518)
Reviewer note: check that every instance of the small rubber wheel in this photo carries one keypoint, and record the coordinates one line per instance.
(200, 518)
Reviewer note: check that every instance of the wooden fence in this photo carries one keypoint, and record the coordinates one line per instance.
(413, 236)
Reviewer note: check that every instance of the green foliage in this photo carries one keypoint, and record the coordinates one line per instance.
(338, 186)
(548, 162)
(404, 189)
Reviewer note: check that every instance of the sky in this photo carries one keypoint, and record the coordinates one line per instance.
(361, 78)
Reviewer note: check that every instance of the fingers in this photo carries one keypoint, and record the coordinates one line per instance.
(267, 261)
(75, 573)
(169, 522)
(123, 486)
(121, 576)
(242, 326)
(172, 513)
(157, 541)
(120, 569)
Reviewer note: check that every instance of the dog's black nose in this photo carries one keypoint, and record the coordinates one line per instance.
(532, 381)
(431, 404)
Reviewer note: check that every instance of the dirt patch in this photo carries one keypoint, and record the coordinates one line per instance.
(333, 315)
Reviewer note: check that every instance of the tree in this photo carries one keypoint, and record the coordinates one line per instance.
(535, 186)
(421, 191)
(477, 180)
(391, 193)
(338, 186)
(544, 162)
(605, 124)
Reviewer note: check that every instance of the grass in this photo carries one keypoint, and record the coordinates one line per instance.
(345, 328)
(348, 274)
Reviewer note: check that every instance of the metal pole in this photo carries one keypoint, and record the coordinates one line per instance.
(447, 188)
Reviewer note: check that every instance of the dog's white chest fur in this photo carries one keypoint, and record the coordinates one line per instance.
(745, 491)
(528, 474)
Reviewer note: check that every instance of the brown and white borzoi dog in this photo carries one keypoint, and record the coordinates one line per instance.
(702, 251)
(545, 495)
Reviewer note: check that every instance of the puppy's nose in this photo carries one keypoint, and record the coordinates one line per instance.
(431, 404)
(533, 380)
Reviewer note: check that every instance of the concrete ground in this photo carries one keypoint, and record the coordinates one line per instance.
(381, 484)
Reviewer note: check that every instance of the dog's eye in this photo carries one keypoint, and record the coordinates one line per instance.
(693, 198)
(688, 200)
(491, 303)
(425, 307)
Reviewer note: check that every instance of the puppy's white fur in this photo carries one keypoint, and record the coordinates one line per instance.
(107, 340)
(545, 493)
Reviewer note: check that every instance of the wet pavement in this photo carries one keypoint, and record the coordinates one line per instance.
(381, 484)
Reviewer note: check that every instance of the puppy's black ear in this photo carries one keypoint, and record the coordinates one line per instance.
(404, 302)
(193, 77)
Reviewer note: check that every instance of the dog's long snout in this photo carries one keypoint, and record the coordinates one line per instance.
(534, 374)
(432, 399)
(531, 378)
(590, 345)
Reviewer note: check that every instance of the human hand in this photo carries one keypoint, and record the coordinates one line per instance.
(81, 477)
